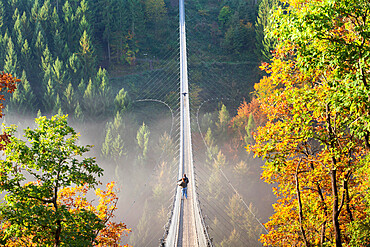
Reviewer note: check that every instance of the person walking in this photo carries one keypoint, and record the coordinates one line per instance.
(184, 185)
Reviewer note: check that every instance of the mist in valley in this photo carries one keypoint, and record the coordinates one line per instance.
(146, 180)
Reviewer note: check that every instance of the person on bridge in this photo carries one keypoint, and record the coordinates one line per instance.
(184, 185)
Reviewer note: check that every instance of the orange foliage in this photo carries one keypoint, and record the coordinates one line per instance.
(7, 81)
(240, 121)
(75, 199)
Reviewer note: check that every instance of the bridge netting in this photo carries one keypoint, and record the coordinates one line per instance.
(229, 215)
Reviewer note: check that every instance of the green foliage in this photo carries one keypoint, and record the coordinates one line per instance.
(11, 60)
(265, 44)
(121, 102)
(251, 126)
(142, 138)
(155, 10)
(33, 173)
(224, 16)
(223, 121)
(22, 100)
(113, 145)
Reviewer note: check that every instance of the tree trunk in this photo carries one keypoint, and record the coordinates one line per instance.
(335, 214)
(300, 207)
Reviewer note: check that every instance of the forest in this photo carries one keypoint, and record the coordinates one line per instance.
(279, 101)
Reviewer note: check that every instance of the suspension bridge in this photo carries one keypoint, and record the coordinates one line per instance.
(190, 222)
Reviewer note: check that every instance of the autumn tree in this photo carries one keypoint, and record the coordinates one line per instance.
(34, 172)
(75, 199)
(8, 83)
(249, 116)
(315, 141)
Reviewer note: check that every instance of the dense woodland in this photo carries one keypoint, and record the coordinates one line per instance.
(90, 59)
(305, 113)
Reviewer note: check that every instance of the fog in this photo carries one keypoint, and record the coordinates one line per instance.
(147, 182)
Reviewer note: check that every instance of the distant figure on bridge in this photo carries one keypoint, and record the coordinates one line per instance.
(184, 185)
(184, 93)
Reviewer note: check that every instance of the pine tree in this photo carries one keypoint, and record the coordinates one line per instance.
(11, 61)
(69, 28)
(69, 100)
(59, 45)
(264, 44)
(74, 65)
(23, 101)
(46, 66)
(121, 102)
(39, 43)
(107, 23)
(17, 32)
(78, 114)
(223, 121)
(120, 29)
(142, 138)
(26, 59)
(113, 147)
(49, 97)
(35, 10)
(55, 21)
(2, 15)
(105, 91)
(59, 74)
(86, 56)
(137, 19)
(249, 129)
(45, 11)
(27, 31)
(91, 106)
(57, 108)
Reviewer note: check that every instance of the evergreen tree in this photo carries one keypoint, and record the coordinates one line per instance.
(45, 11)
(49, 97)
(224, 16)
(137, 19)
(243, 220)
(11, 61)
(105, 91)
(3, 45)
(35, 10)
(39, 42)
(86, 56)
(2, 15)
(27, 32)
(113, 147)
(83, 11)
(23, 101)
(69, 100)
(55, 21)
(17, 32)
(106, 10)
(46, 65)
(74, 65)
(223, 121)
(120, 29)
(26, 59)
(57, 108)
(249, 129)
(78, 114)
(69, 27)
(59, 46)
(142, 138)
(264, 44)
(91, 102)
(121, 102)
(59, 74)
